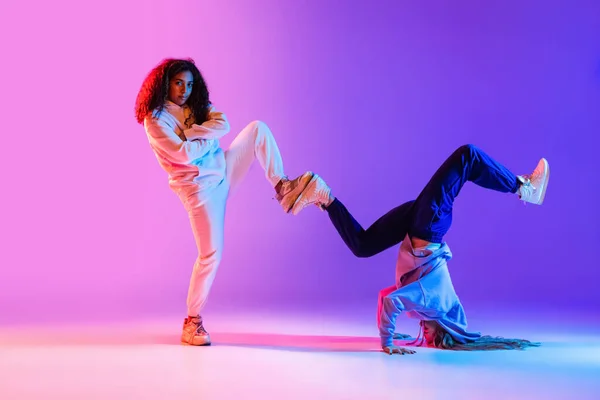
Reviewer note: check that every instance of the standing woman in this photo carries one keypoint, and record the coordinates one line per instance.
(184, 129)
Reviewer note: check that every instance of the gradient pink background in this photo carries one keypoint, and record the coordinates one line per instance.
(372, 96)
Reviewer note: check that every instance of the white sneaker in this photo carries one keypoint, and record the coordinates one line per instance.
(317, 192)
(194, 332)
(533, 188)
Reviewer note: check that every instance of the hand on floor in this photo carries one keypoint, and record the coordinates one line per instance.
(397, 350)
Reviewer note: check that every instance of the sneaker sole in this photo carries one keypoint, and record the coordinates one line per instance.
(193, 344)
(295, 209)
(290, 199)
(204, 342)
(546, 179)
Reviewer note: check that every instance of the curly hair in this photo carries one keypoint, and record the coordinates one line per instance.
(443, 340)
(155, 89)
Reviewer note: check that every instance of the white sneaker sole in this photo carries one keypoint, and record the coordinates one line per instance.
(545, 181)
(199, 342)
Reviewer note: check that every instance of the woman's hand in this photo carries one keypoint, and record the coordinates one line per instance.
(397, 350)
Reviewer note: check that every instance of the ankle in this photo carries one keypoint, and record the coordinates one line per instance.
(330, 200)
(279, 185)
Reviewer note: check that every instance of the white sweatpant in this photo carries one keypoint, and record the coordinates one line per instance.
(255, 141)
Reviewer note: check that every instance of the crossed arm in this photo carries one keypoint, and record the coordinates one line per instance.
(215, 127)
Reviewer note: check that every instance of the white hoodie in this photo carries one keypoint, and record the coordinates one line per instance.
(424, 291)
(190, 154)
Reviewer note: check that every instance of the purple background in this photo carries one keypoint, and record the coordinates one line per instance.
(372, 97)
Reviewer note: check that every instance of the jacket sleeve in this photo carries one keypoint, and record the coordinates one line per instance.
(407, 298)
(215, 127)
(165, 141)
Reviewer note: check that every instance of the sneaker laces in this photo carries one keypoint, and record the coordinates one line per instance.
(286, 185)
(527, 189)
(279, 188)
(197, 321)
(200, 329)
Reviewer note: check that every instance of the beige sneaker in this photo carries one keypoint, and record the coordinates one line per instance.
(533, 188)
(288, 191)
(194, 332)
(317, 192)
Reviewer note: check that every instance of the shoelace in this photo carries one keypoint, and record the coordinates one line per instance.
(527, 188)
(199, 326)
(279, 194)
(200, 330)
(289, 185)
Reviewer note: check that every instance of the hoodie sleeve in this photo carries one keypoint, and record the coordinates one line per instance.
(407, 298)
(215, 127)
(168, 144)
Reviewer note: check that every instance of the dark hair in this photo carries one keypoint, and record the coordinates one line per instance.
(155, 89)
(443, 340)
